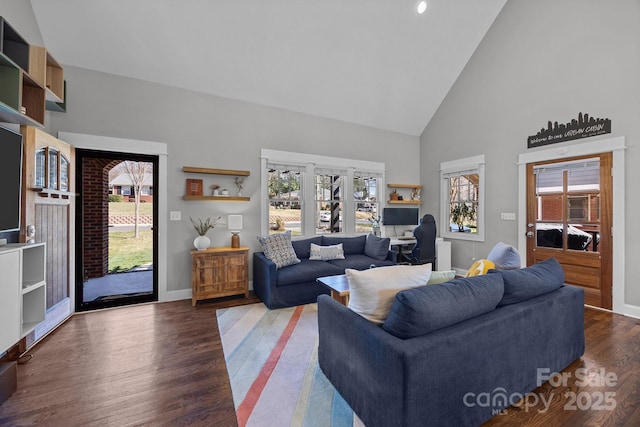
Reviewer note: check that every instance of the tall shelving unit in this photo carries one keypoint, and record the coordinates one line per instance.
(34, 298)
(23, 299)
(29, 78)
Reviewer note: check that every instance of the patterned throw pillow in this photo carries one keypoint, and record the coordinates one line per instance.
(278, 248)
(326, 253)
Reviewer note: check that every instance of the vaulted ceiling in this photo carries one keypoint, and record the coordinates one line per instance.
(372, 62)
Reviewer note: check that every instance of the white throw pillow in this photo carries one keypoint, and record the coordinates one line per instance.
(371, 292)
(326, 253)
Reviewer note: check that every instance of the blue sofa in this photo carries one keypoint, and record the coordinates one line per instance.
(435, 354)
(296, 284)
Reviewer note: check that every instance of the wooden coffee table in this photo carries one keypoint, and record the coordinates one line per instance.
(339, 287)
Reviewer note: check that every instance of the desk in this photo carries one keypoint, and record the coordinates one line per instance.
(401, 242)
(403, 246)
(443, 251)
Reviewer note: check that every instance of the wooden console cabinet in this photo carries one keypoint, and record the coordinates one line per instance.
(219, 272)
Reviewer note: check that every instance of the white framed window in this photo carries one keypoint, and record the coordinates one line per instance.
(329, 196)
(341, 193)
(366, 187)
(285, 187)
(52, 169)
(462, 193)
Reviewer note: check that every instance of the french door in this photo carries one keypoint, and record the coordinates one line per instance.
(117, 237)
(569, 217)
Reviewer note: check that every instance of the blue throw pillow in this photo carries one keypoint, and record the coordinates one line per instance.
(505, 257)
(377, 247)
(422, 310)
(529, 282)
(350, 245)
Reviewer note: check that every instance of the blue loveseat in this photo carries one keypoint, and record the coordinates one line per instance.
(444, 348)
(296, 284)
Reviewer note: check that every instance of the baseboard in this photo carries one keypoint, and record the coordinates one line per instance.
(632, 311)
(459, 271)
(181, 294)
(178, 295)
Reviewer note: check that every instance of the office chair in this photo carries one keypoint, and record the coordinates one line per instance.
(424, 250)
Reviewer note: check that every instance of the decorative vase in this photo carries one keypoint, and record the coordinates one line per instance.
(224, 192)
(201, 243)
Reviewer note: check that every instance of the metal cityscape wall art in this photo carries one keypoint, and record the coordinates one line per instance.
(583, 127)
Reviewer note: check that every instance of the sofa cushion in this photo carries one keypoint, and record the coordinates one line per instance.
(422, 310)
(529, 282)
(359, 262)
(277, 248)
(351, 245)
(302, 247)
(326, 253)
(306, 271)
(505, 257)
(371, 292)
(376, 247)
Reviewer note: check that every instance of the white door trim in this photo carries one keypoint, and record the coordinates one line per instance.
(106, 143)
(617, 147)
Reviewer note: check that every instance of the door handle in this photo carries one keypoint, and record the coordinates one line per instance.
(530, 234)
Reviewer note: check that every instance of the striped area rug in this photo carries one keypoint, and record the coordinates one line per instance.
(272, 360)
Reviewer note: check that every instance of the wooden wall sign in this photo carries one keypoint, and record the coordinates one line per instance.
(583, 127)
(194, 187)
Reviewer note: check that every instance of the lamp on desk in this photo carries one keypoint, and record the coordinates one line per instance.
(234, 224)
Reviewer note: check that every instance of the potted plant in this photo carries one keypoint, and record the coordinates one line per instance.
(202, 241)
(375, 224)
(239, 181)
(462, 212)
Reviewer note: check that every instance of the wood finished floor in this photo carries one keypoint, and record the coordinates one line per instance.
(162, 364)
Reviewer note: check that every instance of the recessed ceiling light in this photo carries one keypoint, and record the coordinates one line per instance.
(422, 7)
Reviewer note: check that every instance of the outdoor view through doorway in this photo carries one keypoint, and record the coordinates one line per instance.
(116, 214)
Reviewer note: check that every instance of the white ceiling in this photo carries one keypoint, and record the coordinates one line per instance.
(372, 62)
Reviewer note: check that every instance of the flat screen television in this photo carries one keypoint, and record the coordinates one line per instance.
(400, 216)
(10, 179)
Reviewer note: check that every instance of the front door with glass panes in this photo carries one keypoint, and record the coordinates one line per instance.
(569, 214)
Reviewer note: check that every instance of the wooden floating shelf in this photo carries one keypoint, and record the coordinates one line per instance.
(192, 169)
(219, 198)
(404, 202)
(411, 186)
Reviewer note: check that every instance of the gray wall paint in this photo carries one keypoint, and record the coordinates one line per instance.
(210, 131)
(540, 61)
(19, 14)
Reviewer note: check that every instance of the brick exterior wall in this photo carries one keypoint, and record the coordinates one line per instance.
(95, 215)
(129, 219)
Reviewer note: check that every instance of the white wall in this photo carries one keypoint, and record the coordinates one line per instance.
(210, 131)
(540, 61)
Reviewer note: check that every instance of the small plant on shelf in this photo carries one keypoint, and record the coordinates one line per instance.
(239, 181)
(203, 226)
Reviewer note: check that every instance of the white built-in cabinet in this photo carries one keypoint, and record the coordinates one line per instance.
(23, 299)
